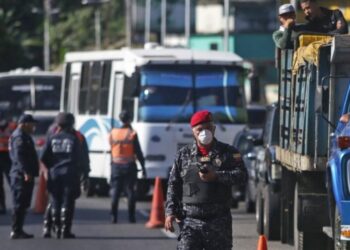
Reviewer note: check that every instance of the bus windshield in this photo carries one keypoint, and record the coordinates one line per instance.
(171, 94)
(20, 93)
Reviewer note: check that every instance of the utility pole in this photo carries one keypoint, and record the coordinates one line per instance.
(128, 19)
(187, 22)
(47, 13)
(163, 22)
(227, 24)
(97, 13)
(147, 20)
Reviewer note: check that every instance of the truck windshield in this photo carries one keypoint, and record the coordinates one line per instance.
(21, 93)
(171, 94)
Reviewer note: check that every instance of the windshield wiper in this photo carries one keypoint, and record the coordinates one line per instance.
(182, 109)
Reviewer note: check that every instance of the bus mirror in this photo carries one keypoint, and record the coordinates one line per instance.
(136, 85)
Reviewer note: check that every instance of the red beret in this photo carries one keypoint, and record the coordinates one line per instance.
(199, 117)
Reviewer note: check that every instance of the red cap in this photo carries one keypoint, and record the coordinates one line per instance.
(199, 117)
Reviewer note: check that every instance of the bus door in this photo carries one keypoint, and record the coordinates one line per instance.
(116, 98)
(72, 88)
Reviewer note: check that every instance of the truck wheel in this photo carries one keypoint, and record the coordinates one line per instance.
(338, 243)
(249, 204)
(142, 189)
(306, 240)
(271, 214)
(259, 212)
(89, 189)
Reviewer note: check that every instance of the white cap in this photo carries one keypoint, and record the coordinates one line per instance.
(285, 8)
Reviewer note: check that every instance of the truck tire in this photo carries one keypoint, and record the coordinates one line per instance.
(89, 189)
(306, 240)
(271, 214)
(338, 244)
(142, 189)
(259, 212)
(249, 204)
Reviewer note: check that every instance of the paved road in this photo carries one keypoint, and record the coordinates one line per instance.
(94, 230)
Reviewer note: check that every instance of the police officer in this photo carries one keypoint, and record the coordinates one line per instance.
(24, 168)
(125, 148)
(61, 156)
(199, 188)
(6, 129)
(84, 163)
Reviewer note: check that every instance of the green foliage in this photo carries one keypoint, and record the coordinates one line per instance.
(21, 30)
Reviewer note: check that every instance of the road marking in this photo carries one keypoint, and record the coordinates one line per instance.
(169, 234)
(143, 212)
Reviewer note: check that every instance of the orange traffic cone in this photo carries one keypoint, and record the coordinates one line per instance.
(262, 245)
(157, 217)
(41, 195)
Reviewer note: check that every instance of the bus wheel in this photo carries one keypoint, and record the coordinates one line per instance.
(142, 189)
(338, 243)
(88, 188)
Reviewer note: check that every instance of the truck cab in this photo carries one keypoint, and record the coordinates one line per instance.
(338, 179)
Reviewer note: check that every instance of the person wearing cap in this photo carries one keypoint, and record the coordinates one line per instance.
(6, 129)
(84, 163)
(125, 149)
(283, 36)
(61, 156)
(323, 20)
(199, 188)
(24, 167)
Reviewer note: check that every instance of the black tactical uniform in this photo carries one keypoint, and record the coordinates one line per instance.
(24, 162)
(204, 207)
(61, 156)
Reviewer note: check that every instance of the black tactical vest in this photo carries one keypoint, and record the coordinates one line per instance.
(196, 191)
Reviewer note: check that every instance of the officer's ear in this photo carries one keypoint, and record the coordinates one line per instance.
(213, 129)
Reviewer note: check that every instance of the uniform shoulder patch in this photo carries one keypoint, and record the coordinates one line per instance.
(236, 156)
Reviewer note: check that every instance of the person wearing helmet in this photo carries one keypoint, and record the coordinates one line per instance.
(125, 149)
(61, 156)
(84, 163)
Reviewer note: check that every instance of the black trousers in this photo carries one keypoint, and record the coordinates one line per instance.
(5, 165)
(123, 179)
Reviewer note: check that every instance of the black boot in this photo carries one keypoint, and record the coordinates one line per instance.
(47, 222)
(114, 214)
(66, 222)
(17, 226)
(56, 221)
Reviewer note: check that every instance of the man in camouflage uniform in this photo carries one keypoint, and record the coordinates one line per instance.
(199, 189)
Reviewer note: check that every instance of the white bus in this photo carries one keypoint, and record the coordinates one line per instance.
(162, 88)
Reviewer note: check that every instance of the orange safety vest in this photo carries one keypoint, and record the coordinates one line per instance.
(122, 145)
(5, 136)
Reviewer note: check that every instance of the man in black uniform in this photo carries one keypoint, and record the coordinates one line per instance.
(323, 20)
(199, 188)
(6, 129)
(84, 163)
(24, 168)
(61, 156)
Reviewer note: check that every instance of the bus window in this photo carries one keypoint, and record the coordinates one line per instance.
(67, 81)
(94, 87)
(219, 90)
(104, 89)
(84, 88)
(165, 94)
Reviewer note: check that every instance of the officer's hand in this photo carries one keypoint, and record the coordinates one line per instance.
(28, 178)
(209, 176)
(169, 223)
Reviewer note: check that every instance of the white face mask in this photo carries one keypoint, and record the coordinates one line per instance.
(205, 137)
